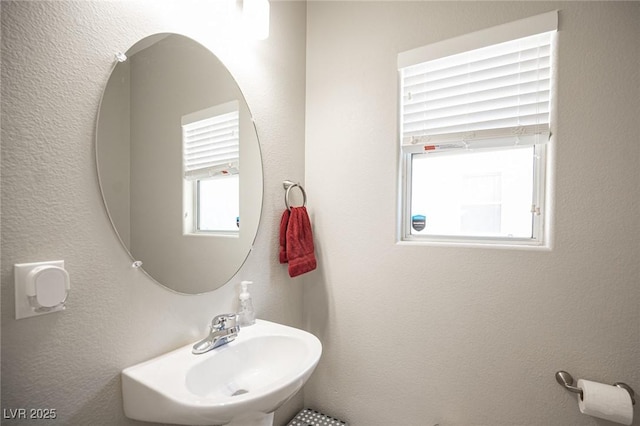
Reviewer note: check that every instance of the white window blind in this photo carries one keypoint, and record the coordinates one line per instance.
(494, 95)
(211, 142)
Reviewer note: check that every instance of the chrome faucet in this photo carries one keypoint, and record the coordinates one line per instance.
(224, 329)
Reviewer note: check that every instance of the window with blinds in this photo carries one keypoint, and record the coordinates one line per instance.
(211, 165)
(473, 107)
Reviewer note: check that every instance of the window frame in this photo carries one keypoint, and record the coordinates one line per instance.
(195, 208)
(539, 195)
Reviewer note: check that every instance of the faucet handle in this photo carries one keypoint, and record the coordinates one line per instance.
(219, 322)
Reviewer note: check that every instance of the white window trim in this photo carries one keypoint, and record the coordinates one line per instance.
(541, 238)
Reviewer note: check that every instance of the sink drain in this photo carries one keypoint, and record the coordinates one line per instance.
(240, 392)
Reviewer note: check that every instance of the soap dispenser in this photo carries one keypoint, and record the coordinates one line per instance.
(246, 314)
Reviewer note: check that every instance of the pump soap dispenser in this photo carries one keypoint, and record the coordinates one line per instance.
(246, 314)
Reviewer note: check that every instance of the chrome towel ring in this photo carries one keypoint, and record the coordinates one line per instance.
(288, 185)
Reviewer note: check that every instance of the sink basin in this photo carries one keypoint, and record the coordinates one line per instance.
(240, 382)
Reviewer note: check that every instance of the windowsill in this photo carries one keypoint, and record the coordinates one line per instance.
(477, 244)
(213, 234)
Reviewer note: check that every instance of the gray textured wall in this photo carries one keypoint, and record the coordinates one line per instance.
(468, 336)
(56, 58)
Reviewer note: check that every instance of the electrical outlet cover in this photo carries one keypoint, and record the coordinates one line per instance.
(21, 271)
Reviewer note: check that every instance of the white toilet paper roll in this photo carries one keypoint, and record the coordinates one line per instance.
(605, 402)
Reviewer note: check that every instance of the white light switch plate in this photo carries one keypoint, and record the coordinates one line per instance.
(20, 272)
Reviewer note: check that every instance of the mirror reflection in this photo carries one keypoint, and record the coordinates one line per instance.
(179, 163)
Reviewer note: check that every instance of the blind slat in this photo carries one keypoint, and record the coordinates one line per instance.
(422, 101)
(217, 127)
(230, 140)
(500, 106)
(213, 155)
(516, 72)
(425, 73)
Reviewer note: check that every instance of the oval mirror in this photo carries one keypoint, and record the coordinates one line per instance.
(179, 163)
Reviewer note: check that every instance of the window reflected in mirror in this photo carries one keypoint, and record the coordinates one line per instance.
(211, 164)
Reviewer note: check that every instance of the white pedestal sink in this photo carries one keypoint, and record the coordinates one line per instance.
(240, 383)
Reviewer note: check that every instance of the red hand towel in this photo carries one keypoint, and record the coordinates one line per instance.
(283, 236)
(299, 243)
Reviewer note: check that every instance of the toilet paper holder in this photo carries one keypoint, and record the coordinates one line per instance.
(566, 380)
